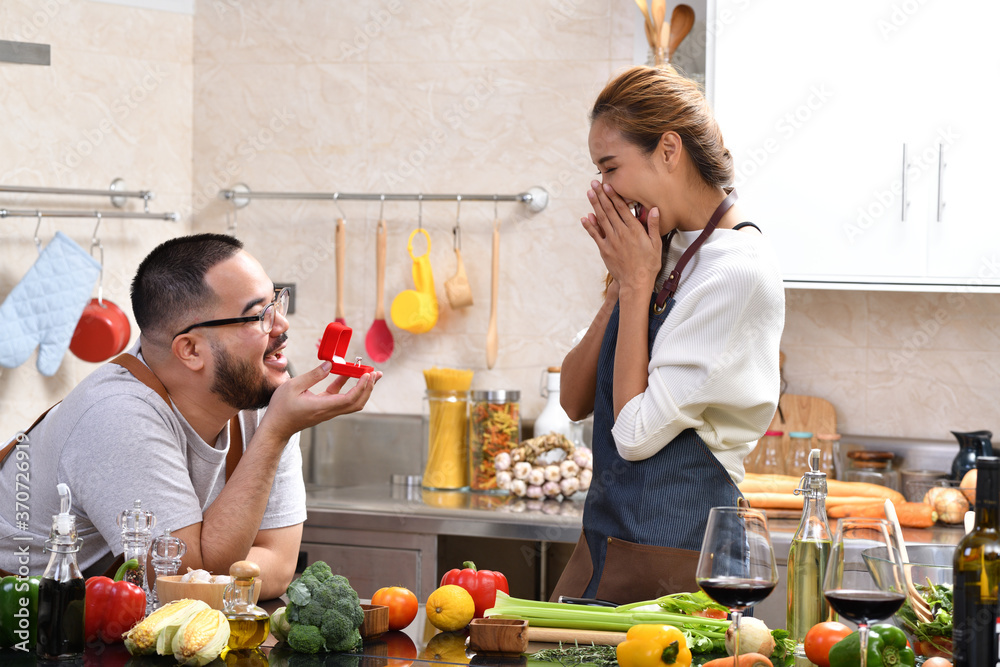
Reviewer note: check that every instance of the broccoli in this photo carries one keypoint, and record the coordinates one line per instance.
(323, 612)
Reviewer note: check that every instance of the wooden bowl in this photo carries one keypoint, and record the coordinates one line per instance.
(170, 588)
(376, 621)
(498, 635)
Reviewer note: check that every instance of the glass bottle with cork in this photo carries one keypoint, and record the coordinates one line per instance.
(62, 589)
(807, 556)
(248, 623)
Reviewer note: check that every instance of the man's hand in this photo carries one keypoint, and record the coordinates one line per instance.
(294, 407)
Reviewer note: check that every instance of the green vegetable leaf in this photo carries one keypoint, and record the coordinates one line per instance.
(299, 593)
(784, 646)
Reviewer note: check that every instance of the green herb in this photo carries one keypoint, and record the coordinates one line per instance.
(571, 655)
(784, 646)
(938, 631)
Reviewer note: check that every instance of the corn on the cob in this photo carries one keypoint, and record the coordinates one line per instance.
(202, 637)
(147, 636)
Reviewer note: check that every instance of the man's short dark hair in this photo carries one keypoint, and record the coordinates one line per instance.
(170, 282)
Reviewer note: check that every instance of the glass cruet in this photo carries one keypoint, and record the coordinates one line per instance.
(248, 623)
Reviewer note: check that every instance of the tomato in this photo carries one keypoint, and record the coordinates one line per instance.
(937, 662)
(711, 613)
(821, 638)
(402, 604)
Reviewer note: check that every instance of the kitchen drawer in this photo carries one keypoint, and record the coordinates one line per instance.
(370, 559)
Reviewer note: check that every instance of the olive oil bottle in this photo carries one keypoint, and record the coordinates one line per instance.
(62, 589)
(807, 557)
(248, 623)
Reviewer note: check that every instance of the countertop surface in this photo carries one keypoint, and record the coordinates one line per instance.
(413, 509)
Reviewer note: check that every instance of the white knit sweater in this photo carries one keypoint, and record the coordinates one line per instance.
(714, 364)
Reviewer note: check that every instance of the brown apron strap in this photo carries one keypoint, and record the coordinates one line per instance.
(235, 446)
(142, 373)
(130, 363)
(674, 279)
(113, 568)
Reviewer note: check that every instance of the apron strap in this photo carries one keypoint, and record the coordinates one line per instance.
(674, 279)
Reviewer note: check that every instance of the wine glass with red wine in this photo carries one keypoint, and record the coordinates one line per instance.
(851, 589)
(736, 566)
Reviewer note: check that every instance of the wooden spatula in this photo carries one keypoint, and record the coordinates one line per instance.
(341, 241)
(491, 333)
(681, 21)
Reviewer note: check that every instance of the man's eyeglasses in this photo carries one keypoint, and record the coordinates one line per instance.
(265, 317)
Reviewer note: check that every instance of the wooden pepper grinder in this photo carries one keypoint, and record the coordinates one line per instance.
(248, 623)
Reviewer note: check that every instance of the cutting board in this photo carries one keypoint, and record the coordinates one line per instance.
(569, 635)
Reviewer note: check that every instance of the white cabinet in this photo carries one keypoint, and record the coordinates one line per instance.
(819, 101)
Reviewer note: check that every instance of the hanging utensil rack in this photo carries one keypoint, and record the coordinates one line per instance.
(116, 192)
(536, 198)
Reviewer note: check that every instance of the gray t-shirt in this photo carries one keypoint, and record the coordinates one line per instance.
(113, 440)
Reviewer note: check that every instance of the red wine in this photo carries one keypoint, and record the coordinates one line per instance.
(735, 592)
(864, 606)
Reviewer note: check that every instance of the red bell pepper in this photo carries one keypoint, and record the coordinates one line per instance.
(481, 584)
(113, 606)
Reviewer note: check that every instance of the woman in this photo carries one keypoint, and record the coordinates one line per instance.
(680, 364)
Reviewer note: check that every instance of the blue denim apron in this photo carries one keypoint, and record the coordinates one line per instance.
(662, 501)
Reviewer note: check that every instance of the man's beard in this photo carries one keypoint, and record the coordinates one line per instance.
(240, 383)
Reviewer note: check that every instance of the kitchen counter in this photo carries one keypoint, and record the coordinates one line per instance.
(374, 528)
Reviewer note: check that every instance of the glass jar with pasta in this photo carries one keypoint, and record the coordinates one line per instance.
(494, 427)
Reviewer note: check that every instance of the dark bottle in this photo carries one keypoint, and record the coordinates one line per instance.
(62, 589)
(977, 575)
(971, 446)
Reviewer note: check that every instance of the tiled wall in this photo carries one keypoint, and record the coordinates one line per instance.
(115, 102)
(393, 96)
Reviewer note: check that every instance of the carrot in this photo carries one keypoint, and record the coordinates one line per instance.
(910, 515)
(788, 501)
(746, 660)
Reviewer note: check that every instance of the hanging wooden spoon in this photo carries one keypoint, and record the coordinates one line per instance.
(681, 22)
(491, 333)
(378, 341)
(341, 241)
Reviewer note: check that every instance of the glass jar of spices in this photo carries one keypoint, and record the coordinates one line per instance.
(494, 427)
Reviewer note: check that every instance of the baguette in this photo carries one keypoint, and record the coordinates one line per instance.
(910, 515)
(790, 502)
(786, 484)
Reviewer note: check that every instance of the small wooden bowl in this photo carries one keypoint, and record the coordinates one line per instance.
(170, 588)
(376, 621)
(498, 635)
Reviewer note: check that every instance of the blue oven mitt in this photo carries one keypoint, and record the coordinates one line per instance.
(46, 305)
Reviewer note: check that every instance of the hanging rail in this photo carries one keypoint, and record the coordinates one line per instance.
(116, 192)
(41, 213)
(536, 198)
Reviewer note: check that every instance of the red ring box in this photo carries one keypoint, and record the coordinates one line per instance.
(336, 338)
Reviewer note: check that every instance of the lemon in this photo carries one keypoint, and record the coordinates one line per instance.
(450, 608)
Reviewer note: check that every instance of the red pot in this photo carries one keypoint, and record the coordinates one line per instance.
(102, 332)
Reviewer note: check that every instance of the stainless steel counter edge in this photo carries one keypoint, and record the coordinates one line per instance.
(390, 508)
(385, 507)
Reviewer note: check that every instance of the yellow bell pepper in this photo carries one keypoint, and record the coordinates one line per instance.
(653, 646)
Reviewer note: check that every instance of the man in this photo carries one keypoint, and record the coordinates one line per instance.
(212, 331)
